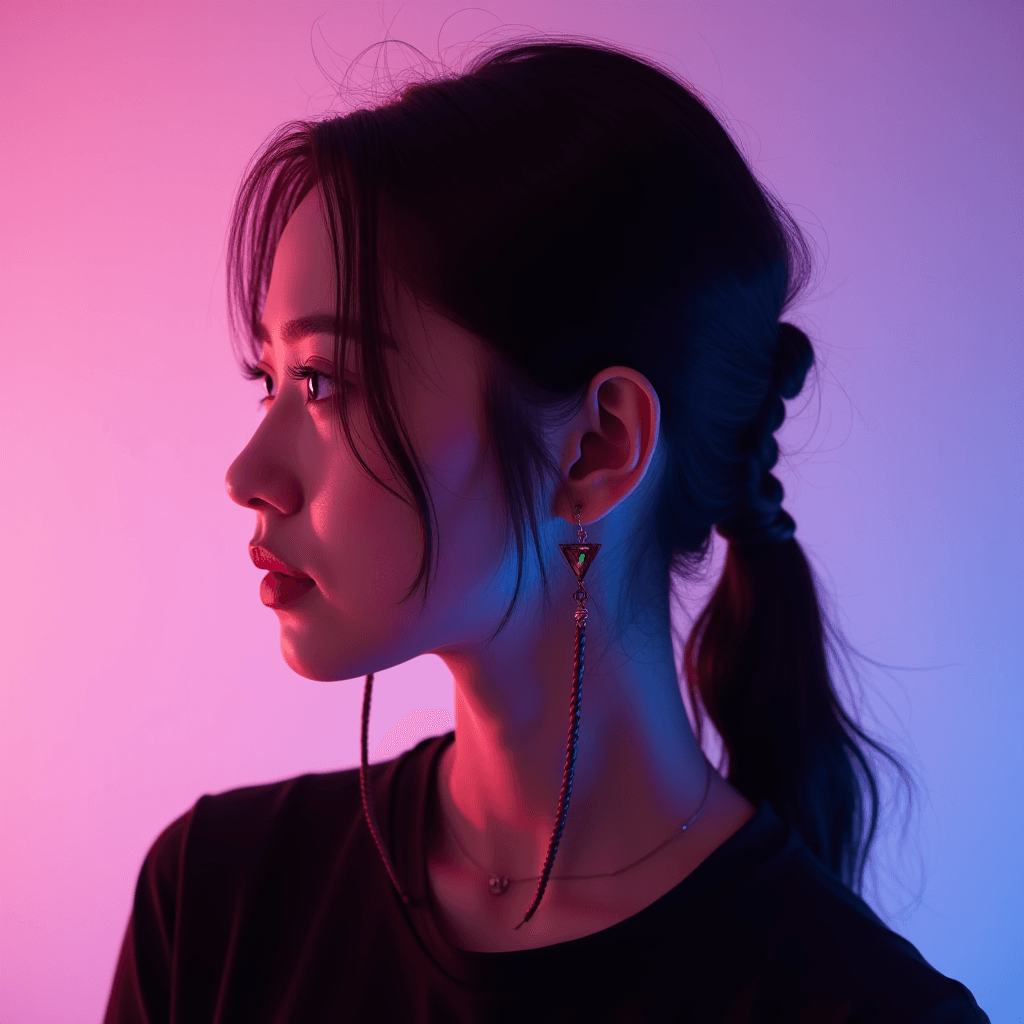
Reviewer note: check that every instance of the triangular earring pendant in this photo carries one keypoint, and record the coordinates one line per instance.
(580, 557)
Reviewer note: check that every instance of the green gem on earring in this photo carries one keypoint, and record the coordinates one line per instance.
(580, 557)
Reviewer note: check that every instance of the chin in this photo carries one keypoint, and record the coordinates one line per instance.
(326, 666)
(344, 648)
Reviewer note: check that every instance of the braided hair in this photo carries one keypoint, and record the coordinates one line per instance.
(760, 518)
(756, 659)
(577, 207)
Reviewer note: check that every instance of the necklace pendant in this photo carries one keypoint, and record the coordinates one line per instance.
(498, 884)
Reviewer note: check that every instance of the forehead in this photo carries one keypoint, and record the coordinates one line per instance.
(303, 274)
(301, 296)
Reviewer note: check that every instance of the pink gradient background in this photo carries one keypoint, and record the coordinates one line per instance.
(140, 669)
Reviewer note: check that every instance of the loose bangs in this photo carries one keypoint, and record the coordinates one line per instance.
(341, 157)
(276, 181)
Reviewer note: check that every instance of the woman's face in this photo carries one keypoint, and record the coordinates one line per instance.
(320, 513)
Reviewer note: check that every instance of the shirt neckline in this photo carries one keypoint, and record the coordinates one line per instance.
(726, 863)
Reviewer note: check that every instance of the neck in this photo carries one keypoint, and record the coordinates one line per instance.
(639, 771)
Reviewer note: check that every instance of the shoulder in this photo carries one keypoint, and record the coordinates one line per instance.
(227, 834)
(222, 838)
(202, 871)
(807, 932)
(228, 839)
(239, 821)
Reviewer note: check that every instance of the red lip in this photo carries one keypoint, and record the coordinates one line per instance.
(283, 583)
(277, 589)
(264, 559)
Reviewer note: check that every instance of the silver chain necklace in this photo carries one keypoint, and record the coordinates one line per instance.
(498, 884)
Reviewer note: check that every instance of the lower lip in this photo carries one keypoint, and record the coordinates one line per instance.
(277, 590)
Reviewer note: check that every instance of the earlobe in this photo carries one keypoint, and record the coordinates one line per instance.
(609, 443)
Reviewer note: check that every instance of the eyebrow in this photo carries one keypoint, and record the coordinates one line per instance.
(305, 326)
(299, 328)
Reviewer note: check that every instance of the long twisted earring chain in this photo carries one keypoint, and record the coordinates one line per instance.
(580, 557)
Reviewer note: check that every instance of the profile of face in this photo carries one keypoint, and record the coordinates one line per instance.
(319, 512)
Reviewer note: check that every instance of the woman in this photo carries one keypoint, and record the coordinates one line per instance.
(519, 334)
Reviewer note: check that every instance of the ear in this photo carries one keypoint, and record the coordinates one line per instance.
(608, 444)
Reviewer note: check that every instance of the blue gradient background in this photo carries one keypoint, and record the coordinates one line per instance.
(140, 669)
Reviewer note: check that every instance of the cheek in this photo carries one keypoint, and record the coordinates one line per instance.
(369, 538)
(449, 424)
(364, 546)
(469, 507)
(368, 542)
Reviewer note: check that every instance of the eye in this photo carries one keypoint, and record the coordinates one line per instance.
(319, 385)
(254, 372)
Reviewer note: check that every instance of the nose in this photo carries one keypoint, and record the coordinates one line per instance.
(263, 477)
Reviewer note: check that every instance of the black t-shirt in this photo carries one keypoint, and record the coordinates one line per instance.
(271, 904)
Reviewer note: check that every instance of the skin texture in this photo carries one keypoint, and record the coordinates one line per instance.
(639, 772)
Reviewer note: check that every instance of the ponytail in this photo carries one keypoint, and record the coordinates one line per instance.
(757, 661)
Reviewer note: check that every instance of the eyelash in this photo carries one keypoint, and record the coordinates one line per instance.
(296, 372)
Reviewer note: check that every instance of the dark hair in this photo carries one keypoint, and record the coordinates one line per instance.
(577, 207)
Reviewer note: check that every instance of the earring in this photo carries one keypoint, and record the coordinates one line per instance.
(580, 557)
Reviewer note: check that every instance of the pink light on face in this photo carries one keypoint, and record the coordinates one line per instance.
(312, 498)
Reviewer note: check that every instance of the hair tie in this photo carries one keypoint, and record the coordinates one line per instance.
(750, 530)
(794, 357)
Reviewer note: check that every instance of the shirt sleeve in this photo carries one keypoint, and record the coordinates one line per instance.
(141, 992)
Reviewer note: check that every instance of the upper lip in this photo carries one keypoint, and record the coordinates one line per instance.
(263, 558)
